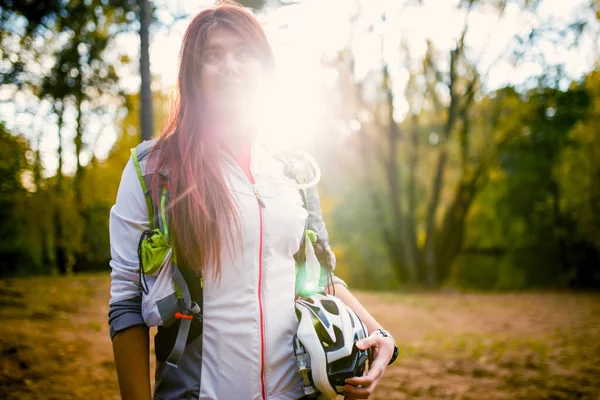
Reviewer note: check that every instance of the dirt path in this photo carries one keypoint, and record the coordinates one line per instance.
(54, 343)
(492, 346)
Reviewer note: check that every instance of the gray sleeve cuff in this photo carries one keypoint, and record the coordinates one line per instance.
(125, 314)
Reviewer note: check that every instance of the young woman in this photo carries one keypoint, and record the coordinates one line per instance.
(233, 222)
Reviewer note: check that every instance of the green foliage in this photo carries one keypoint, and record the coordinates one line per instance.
(13, 164)
(529, 214)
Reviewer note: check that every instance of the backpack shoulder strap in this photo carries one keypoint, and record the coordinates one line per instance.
(140, 174)
(171, 340)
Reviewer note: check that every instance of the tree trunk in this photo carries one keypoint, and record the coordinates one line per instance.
(407, 257)
(560, 229)
(43, 228)
(453, 229)
(449, 245)
(411, 226)
(451, 237)
(60, 254)
(429, 255)
(78, 149)
(146, 92)
(79, 171)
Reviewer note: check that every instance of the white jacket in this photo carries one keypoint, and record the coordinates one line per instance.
(245, 351)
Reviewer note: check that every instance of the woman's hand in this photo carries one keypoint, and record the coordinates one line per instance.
(361, 387)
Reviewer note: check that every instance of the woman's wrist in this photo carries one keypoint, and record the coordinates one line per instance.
(385, 334)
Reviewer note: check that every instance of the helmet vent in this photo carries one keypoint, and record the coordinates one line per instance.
(330, 306)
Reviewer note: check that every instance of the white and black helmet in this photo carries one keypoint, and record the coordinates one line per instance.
(324, 345)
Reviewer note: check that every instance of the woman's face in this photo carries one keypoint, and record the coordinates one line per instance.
(231, 74)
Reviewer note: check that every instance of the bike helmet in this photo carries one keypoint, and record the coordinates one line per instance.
(325, 344)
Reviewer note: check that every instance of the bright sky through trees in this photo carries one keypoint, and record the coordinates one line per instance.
(303, 34)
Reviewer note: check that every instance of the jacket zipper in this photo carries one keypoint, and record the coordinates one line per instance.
(261, 205)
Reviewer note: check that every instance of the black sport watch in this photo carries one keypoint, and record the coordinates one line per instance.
(385, 333)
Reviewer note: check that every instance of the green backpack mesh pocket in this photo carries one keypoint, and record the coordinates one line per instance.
(153, 248)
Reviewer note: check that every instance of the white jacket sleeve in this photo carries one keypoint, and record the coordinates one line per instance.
(128, 219)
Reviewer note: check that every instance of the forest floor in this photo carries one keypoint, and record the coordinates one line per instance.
(54, 343)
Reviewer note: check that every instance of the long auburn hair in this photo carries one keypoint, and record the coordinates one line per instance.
(201, 211)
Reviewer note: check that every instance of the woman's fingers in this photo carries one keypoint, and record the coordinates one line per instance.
(364, 380)
(355, 392)
(367, 342)
(375, 372)
(361, 387)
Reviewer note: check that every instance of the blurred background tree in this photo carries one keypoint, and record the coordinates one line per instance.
(432, 174)
(56, 51)
(425, 178)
